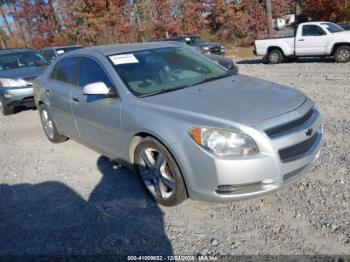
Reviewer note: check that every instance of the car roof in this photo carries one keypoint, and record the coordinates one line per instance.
(123, 48)
(316, 22)
(61, 46)
(14, 50)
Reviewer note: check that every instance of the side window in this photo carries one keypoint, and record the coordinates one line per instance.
(91, 72)
(313, 30)
(49, 55)
(65, 69)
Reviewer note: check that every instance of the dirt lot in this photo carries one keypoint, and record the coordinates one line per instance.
(66, 199)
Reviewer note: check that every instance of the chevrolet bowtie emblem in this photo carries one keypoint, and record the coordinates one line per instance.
(309, 132)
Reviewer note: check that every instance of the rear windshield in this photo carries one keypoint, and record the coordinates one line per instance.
(333, 28)
(164, 69)
(21, 59)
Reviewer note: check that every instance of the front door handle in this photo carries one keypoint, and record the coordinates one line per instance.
(48, 91)
(76, 100)
(302, 39)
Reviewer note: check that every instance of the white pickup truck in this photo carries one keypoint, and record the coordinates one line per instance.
(312, 39)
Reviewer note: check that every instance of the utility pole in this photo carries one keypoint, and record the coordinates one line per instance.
(269, 18)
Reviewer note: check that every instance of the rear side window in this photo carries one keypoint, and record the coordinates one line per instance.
(49, 54)
(313, 30)
(91, 72)
(65, 69)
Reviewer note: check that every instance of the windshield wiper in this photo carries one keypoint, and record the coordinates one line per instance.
(162, 91)
(209, 79)
(205, 80)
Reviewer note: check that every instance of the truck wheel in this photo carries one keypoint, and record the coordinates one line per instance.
(275, 56)
(159, 172)
(49, 126)
(5, 109)
(342, 54)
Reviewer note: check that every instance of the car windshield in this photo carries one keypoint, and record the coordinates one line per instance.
(155, 71)
(333, 28)
(21, 59)
(196, 40)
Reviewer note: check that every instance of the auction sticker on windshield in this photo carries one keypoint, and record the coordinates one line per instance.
(123, 59)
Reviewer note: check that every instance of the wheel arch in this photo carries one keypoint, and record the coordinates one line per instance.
(337, 45)
(270, 48)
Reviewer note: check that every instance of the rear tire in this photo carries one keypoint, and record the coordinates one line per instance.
(5, 109)
(275, 56)
(342, 54)
(49, 126)
(159, 172)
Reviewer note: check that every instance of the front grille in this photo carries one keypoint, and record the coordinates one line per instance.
(299, 123)
(299, 150)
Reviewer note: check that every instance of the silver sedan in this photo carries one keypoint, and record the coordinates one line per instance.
(186, 125)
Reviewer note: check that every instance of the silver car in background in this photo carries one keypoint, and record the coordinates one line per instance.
(18, 69)
(186, 125)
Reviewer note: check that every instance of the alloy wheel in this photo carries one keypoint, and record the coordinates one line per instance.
(156, 173)
(1, 107)
(47, 124)
(344, 55)
(274, 57)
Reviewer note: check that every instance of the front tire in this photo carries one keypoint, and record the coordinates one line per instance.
(159, 172)
(5, 109)
(342, 54)
(49, 126)
(275, 56)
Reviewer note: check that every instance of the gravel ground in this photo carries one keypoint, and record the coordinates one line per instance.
(67, 199)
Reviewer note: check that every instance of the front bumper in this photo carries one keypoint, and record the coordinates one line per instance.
(220, 179)
(19, 96)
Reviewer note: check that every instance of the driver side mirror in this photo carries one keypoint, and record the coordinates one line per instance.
(98, 88)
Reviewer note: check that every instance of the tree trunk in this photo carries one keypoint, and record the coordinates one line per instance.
(13, 11)
(4, 18)
(270, 29)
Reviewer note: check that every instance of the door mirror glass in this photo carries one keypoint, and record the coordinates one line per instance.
(98, 88)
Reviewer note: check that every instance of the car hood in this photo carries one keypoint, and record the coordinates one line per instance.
(237, 98)
(201, 45)
(24, 73)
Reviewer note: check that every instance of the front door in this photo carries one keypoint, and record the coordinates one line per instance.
(311, 41)
(97, 117)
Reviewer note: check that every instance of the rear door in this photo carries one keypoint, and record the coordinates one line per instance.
(97, 117)
(58, 89)
(312, 40)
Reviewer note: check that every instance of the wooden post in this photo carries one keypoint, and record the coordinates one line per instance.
(270, 29)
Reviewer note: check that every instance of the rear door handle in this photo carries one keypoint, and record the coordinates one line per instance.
(76, 100)
(48, 91)
(302, 39)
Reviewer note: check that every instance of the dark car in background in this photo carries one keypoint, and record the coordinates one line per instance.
(53, 52)
(228, 63)
(197, 41)
(18, 69)
(346, 27)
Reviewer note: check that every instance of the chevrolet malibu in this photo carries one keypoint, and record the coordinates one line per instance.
(186, 125)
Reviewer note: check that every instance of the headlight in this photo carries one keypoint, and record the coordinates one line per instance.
(206, 48)
(224, 142)
(222, 47)
(6, 82)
